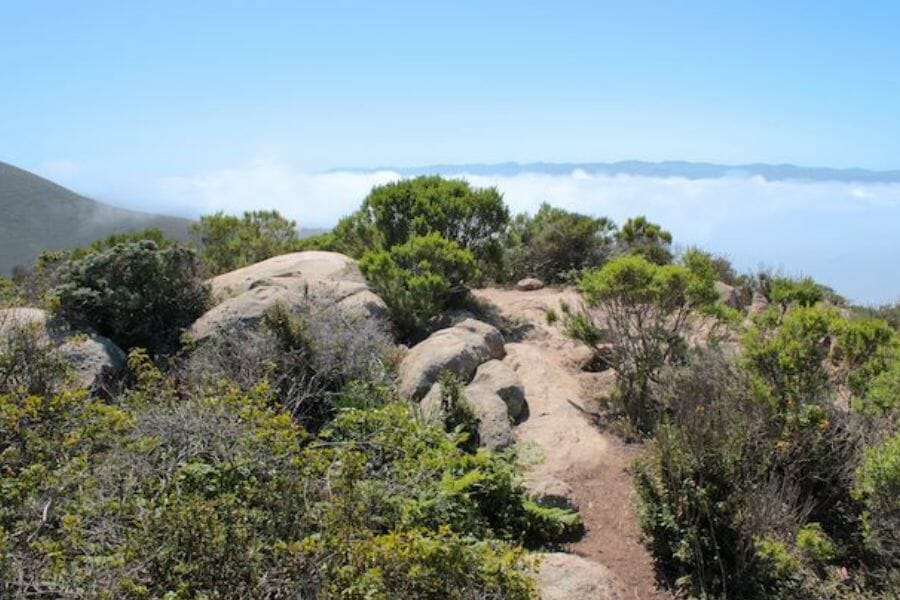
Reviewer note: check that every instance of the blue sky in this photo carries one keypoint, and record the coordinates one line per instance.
(194, 106)
(163, 87)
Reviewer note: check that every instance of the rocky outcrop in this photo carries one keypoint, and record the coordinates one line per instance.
(568, 576)
(728, 295)
(93, 358)
(529, 284)
(459, 349)
(758, 304)
(324, 278)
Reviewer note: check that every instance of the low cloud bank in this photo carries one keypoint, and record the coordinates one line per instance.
(841, 233)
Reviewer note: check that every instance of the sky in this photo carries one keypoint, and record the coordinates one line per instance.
(188, 107)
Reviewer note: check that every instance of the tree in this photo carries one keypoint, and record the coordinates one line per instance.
(419, 278)
(644, 309)
(136, 294)
(644, 238)
(227, 242)
(556, 244)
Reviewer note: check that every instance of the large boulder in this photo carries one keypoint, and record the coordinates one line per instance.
(728, 295)
(93, 358)
(459, 349)
(499, 378)
(568, 576)
(324, 278)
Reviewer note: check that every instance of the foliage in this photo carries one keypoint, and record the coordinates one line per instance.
(801, 292)
(789, 356)
(864, 348)
(227, 242)
(878, 487)
(392, 214)
(556, 245)
(136, 294)
(9, 293)
(645, 309)
(315, 358)
(29, 363)
(745, 498)
(419, 278)
(643, 238)
(217, 494)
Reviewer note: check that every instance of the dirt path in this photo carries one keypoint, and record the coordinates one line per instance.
(569, 447)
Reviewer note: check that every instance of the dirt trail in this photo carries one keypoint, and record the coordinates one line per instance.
(570, 447)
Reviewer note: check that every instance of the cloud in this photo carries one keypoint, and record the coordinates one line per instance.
(841, 233)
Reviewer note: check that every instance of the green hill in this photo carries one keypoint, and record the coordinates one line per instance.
(37, 214)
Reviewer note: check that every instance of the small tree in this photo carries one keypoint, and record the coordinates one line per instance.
(645, 309)
(419, 278)
(136, 294)
(644, 238)
(227, 242)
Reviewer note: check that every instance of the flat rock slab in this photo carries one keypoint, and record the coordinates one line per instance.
(570, 577)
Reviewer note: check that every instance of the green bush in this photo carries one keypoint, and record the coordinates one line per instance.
(864, 348)
(645, 309)
(420, 278)
(877, 486)
(643, 238)
(801, 292)
(163, 494)
(392, 214)
(556, 245)
(227, 242)
(136, 294)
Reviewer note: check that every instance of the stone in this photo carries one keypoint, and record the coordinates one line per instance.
(494, 427)
(551, 491)
(293, 280)
(568, 576)
(459, 349)
(529, 284)
(499, 378)
(728, 295)
(758, 304)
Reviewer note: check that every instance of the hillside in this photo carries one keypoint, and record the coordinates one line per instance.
(39, 214)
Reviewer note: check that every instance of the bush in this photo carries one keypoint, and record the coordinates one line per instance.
(392, 214)
(136, 294)
(878, 487)
(800, 292)
(556, 245)
(419, 279)
(315, 361)
(645, 309)
(220, 495)
(864, 348)
(29, 363)
(643, 238)
(741, 498)
(227, 243)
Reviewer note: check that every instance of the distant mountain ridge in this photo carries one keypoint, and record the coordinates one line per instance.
(688, 170)
(37, 214)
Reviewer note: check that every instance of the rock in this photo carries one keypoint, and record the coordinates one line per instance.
(728, 295)
(92, 357)
(499, 378)
(551, 491)
(529, 284)
(324, 278)
(494, 428)
(430, 406)
(568, 576)
(459, 349)
(758, 304)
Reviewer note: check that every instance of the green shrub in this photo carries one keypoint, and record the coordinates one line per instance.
(645, 308)
(392, 214)
(877, 486)
(9, 293)
(815, 544)
(227, 243)
(864, 348)
(883, 392)
(136, 294)
(800, 292)
(556, 245)
(29, 363)
(420, 278)
(643, 238)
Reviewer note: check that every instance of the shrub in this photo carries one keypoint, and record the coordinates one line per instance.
(136, 294)
(864, 348)
(9, 293)
(227, 243)
(556, 244)
(419, 279)
(29, 363)
(801, 292)
(789, 356)
(878, 487)
(314, 359)
(645, 309)
(643, 238)
(392, 214)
